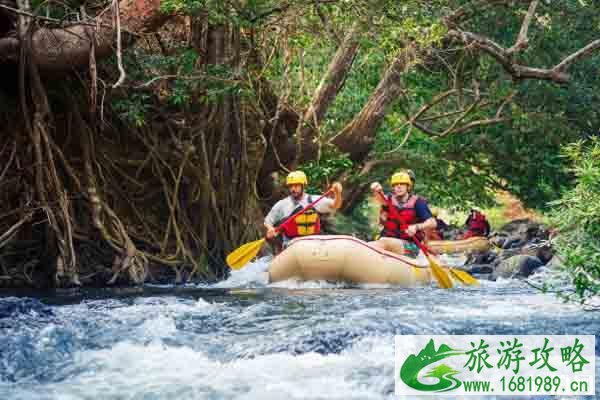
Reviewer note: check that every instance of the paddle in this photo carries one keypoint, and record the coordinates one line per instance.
(462, 276)
(245, 253)
(438, 272)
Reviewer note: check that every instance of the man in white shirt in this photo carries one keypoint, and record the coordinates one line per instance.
(307, 223)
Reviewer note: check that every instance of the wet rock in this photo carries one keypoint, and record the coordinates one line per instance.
(526, 229)
(486, 257)
(556, 262)
(543, 252)
(452, 233)
(513, 242)
(481, 269)
(516, 226)
(508, 253)
(519, 265)
(498, 239)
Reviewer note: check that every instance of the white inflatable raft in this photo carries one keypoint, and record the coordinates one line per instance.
(345, 258)
(476, 243)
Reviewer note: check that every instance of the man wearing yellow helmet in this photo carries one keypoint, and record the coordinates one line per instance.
(408, 216)
(307, 223)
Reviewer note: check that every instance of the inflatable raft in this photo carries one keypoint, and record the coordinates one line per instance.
(345, 258)
(477, 243)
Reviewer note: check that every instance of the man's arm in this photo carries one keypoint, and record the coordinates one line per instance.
(423, 213)
(337, 190)
(274, 215)
(378, 194)
(328, 205)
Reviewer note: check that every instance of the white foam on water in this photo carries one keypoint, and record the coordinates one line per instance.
(130, 370)
(155, 369)
(300, 284)
(253, 274)
(157, 328)
(134, 371)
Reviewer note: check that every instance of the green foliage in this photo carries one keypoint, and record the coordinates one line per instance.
(577, 217)
(134, 108)
(184, 88)
(457, 171)
(223, 12)
(320, 172)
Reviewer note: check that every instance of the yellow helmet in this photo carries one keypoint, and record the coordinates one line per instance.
(401, 177)
(296, 178)
(411, 174)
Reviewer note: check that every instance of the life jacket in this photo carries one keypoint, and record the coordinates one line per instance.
(399, 217)
(307, 223)
(478, 225)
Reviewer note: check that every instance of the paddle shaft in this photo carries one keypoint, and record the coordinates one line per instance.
(309, 206)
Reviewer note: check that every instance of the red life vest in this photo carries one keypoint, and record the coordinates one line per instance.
(307, 223)
(478, 225)
(399, 217)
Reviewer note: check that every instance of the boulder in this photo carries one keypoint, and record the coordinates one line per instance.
(526, 229)
(479, 269)
(513, 242)
(508, 253)
(543, 252)
(452, 233)
(498, 239)
(517, 226)
(486, 257)
(556, 262)
(521, 265)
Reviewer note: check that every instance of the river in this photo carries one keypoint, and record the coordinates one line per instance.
(243, 339)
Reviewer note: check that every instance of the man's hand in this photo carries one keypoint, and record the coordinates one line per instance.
(337, 187)
(272, 232)
(412, 230)
(376, 187)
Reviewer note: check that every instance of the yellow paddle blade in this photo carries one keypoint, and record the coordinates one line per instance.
(439, 274)
(463, 277)
(244, 254)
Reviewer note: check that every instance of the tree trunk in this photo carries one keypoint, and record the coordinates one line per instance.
(59, 49)
(231, 146)
(332, 82)
(358, 136)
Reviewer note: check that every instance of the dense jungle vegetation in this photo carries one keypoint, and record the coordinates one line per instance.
(145, 139)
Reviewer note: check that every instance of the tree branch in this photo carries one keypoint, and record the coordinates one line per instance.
(556, 74)
(522, 40)
(67, 47)
(357, 137)
(581, 53)
(330, 85)
(326, 24)
(471, 9)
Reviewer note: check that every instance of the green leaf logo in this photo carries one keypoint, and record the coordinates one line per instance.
(409, 372)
